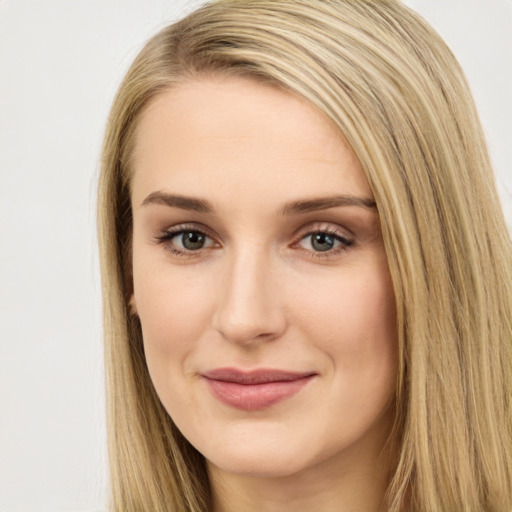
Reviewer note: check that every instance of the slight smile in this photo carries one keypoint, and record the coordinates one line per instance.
(256, 389)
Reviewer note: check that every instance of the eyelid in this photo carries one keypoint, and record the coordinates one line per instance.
(325, 227)
(344, 236)
(346, 241)
(165, 236)
(186, 226)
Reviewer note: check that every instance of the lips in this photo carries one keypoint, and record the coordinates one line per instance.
(256, 389)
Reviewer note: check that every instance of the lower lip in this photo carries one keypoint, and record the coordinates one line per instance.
(253, 397)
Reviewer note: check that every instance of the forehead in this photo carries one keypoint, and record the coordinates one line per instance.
(236, 132)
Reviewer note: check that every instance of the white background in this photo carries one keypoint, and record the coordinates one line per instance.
(60, 64)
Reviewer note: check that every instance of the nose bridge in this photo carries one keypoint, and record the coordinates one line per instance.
(248, 308)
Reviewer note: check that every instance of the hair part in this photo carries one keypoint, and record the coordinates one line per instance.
(393, 88)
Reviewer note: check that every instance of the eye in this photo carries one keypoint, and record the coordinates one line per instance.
(183, 241)
(191, 240)
(324, 242)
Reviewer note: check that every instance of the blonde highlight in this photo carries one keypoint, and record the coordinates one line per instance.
(393, 88)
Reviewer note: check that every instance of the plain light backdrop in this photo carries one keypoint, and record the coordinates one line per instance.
(60, 64)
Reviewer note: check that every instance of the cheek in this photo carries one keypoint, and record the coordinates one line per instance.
(174, 310)
(174, 306)
(354, 321)
(353, 304)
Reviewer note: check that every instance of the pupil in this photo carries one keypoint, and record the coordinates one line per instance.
(322, 242)
(192, 240)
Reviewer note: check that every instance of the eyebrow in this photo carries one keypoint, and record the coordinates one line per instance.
(295, 207)
(323, 203)
(178, 201)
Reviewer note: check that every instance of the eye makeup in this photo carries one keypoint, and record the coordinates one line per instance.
(192, 240)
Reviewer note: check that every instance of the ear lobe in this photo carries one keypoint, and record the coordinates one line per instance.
(132, 306)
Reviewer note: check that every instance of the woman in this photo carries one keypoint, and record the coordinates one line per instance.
(306, 272)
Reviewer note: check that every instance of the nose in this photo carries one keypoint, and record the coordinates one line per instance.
(249, 310)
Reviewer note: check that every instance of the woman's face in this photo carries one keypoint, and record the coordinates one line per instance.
(260, 280)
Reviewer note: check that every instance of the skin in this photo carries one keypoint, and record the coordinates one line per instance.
(259, 294)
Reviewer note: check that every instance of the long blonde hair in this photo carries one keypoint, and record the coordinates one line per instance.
(394, 89)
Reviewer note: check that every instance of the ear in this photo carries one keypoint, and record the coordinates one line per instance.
(132, 306)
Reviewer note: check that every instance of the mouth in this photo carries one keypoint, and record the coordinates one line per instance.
(257, 389)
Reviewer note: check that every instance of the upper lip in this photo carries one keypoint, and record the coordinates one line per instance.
(258, 376)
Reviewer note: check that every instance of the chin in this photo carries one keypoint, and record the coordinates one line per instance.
(262, 455)
(258, 464)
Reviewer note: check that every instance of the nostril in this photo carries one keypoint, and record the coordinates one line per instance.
(249, 309)
(245, 333)
(264, 326)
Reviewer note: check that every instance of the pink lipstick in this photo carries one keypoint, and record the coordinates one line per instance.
(256, 389)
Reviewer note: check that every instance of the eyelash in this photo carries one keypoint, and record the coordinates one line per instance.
(166, 236)
(344, 243)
